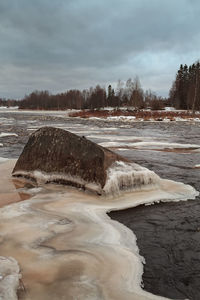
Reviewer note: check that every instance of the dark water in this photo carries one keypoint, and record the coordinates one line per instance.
(168, 234)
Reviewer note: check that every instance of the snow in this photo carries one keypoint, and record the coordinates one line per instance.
(10, 107)
(121, 118)
(170, 108)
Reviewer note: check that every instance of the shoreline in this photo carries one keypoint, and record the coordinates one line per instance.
(135, 115)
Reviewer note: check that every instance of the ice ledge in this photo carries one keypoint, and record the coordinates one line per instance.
(9, 278)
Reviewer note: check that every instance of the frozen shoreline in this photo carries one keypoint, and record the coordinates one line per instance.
(65, 229)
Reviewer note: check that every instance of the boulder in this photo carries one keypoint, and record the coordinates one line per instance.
(57, 155)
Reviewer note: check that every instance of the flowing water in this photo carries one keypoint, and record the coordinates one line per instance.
(69, 248)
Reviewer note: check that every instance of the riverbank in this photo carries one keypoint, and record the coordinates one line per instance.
(138, 115)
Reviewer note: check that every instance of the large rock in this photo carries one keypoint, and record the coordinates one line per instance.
(63, 157)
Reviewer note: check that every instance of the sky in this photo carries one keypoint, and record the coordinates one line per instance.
(74, 44)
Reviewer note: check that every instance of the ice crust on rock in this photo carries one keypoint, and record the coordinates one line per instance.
(121, 177)
(129, 176)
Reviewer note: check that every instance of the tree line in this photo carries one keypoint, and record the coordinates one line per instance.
(185, 91)
(129, 93)
(8, 102)
(184, 94)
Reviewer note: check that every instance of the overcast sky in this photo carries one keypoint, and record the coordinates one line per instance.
(61, 44)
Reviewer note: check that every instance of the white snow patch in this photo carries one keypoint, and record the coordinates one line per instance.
(121, 118)
(169, 108)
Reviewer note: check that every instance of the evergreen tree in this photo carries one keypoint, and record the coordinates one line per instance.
(185, 91)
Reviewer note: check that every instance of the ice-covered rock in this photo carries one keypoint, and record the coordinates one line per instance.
(57, 155)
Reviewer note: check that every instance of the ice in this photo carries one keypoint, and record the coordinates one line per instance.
(42, 178)
(68, 246)
(2, 159)
(120, 176)
(4, 134)
(121, 118)
(129, 176)
(9, 278)
(152, 145)
(59, 113)
(117, 138)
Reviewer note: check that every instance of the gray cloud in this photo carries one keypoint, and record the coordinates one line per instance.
(62, 44)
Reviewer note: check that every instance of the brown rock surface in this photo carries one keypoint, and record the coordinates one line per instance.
(57, 151)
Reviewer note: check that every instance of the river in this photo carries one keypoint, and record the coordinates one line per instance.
(168, 234)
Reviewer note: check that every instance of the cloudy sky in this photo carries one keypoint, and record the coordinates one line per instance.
(61, 44)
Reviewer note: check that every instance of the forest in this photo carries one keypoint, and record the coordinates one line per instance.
(184, 95)
(127, 93)
(185, 91)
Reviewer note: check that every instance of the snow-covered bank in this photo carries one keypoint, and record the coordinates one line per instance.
(129, 115)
